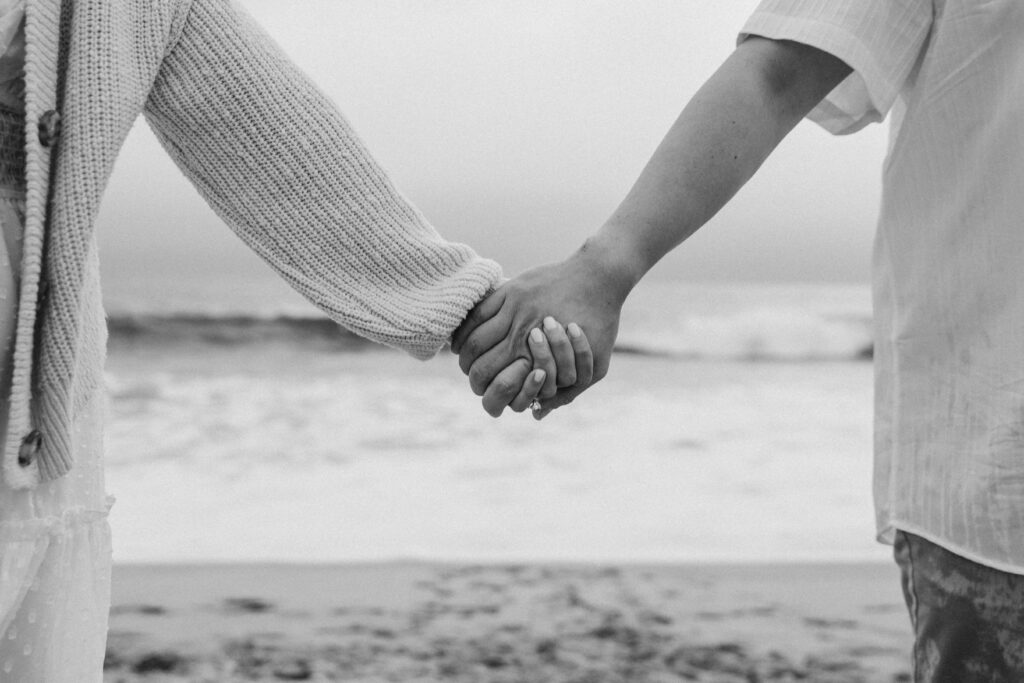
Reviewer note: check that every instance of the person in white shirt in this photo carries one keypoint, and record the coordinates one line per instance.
(948, 285)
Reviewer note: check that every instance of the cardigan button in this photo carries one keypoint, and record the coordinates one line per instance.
(30, 445)
(49, 128)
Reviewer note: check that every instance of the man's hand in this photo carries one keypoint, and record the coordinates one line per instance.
(497, 332)
(565, 352)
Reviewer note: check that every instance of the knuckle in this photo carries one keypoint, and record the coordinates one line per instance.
(477, 382)
(513, 289)
(471, 347)
(503, 387)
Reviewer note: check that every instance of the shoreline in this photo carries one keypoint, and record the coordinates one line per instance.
(536, 623)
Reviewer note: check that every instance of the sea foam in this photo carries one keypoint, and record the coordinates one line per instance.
(244, 432)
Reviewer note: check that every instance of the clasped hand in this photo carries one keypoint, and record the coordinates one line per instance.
(513, 347)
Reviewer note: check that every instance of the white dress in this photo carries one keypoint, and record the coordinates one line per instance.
(55, 555)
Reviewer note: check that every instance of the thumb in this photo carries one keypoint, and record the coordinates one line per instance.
(479, 314)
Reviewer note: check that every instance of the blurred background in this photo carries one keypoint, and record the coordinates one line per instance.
(735, 424)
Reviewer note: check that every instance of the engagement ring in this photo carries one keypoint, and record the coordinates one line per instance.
(535, 405)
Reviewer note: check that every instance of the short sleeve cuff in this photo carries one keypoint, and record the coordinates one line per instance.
(864, 97)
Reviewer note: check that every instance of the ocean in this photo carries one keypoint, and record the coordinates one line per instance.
(734, 425)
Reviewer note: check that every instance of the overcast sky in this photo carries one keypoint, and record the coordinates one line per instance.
(517, 126)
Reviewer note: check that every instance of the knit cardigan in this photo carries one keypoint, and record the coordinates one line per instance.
(273, 157)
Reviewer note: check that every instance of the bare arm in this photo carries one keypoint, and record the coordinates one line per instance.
(718, 142)
(715, 146)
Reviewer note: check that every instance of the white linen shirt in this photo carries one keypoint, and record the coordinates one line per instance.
(948, 277)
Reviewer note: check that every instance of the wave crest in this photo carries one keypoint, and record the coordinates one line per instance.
(231, 330)
(764, 334)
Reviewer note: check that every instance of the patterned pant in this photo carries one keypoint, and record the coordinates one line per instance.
(968, 619)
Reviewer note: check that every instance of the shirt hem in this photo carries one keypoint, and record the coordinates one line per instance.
(888, 533)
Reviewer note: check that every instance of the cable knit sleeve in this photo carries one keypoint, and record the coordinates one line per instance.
(278, 162)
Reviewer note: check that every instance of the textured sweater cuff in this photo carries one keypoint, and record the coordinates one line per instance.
(447, 306)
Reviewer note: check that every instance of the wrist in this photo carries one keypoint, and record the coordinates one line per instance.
(614, 262)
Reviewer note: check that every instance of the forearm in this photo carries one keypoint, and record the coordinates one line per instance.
(718, 142)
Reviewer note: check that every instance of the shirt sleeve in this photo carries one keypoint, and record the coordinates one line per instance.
(881, 40)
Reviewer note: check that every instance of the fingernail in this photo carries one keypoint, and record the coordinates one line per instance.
(575, 331)
(539, 376)
(550, 324)
(536, 336)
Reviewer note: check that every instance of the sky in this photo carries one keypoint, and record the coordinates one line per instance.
(517, 126)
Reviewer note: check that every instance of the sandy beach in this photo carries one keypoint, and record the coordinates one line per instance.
(420, 622)
(705, 516)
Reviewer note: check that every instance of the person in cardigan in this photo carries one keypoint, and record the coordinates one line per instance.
(948, 299)
(278, 163)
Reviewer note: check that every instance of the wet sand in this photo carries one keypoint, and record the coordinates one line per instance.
(418, 622)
